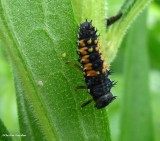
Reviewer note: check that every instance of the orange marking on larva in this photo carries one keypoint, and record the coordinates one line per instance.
(96, 41)
(97, 48)
(98, 72)
(102, 58)
(89, 41)
(103, 70)
(85, 59)
(88, 66)
(90, 50)
(83, 50)
(92, 73)
(81, 43)
(104, 67)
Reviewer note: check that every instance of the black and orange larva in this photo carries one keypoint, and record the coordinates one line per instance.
(95, 70)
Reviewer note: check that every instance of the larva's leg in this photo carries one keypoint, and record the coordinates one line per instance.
(75, 65)
(86, 102)
(81, 87)
(113, 19)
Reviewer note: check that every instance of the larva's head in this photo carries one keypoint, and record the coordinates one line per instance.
(104, 100)
(86, 30)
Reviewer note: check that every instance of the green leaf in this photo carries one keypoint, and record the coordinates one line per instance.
(37, 35)
(136, 121)
(4, 134)
(115, 34)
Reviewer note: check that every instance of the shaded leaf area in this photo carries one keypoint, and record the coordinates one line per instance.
(136, 120)
(4, 134)
(154, 46)
(36, 35)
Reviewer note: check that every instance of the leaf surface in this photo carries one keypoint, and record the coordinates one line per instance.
(37, 35)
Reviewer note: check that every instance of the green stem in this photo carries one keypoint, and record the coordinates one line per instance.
(115, 34)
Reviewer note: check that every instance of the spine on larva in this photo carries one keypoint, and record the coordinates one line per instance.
(95, 71)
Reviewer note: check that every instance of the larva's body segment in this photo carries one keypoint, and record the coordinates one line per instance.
(95, 71)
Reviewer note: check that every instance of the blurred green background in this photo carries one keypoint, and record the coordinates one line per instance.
(8, 110)
(153, 49)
